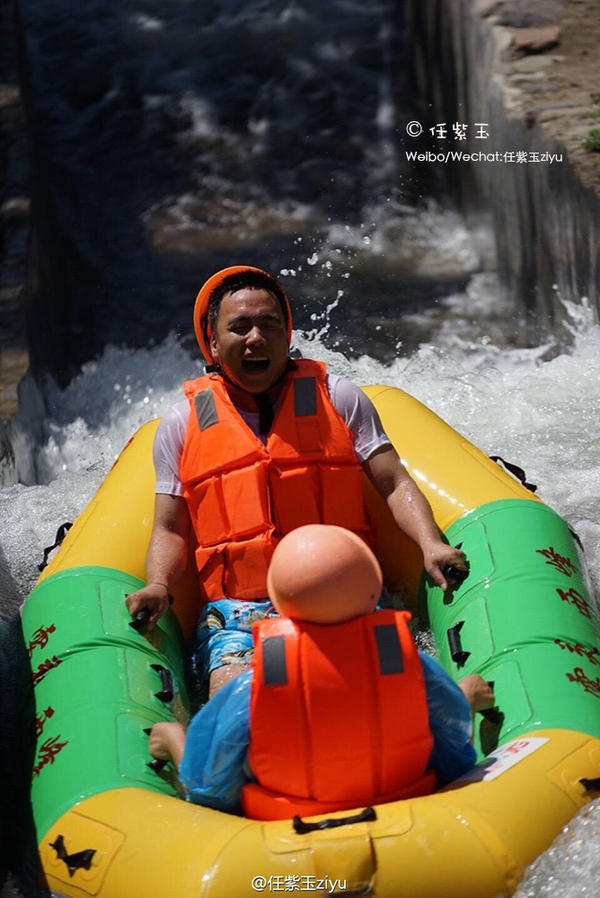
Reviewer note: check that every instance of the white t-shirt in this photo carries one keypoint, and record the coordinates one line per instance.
(350, 402)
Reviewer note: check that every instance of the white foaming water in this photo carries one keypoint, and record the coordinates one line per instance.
(541, 414)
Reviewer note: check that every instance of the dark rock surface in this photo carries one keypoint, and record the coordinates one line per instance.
(170, 141)
(14, 223)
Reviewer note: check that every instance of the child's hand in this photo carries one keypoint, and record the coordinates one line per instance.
(166, 741)
(478, 692)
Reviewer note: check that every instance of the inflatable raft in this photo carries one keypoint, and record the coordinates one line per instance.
(109, 825)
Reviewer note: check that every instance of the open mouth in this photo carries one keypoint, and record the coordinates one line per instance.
(255, 366)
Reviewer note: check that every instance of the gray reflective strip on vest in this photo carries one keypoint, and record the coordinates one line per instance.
(274, 669)
(206, 410)
(305, 397)
(389, 649)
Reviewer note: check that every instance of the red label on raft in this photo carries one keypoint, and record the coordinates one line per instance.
(573, 597)
(578, 649)
(560, 562)
(44, 667)
(48, 751)
(40, 638)
(589, 685)
(41, 719)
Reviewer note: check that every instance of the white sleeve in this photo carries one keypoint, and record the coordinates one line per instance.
(360, 415)
(167, 448)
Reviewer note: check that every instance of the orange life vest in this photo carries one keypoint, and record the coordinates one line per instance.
(338, 716)
(243, 496)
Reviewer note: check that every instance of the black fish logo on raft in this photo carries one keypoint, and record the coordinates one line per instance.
(76, 861)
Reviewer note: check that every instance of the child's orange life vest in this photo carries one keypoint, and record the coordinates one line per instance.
(338, 716)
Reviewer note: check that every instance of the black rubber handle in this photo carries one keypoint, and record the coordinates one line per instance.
(518, 472)
(166, 693)
(301, 827)
(457, 653)
(455, 575)
(60, 535)
(591, 785)
(493, 715)
(157, 764)
(140, 620)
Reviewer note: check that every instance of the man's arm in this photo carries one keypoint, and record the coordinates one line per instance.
(412, 512)
(166, 558)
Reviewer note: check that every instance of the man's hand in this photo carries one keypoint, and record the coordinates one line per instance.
(154, 597)
(437, 555)
(167, 741)
(478, 692)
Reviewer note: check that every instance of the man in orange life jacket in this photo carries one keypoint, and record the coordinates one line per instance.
(330, 683)
(261, 445)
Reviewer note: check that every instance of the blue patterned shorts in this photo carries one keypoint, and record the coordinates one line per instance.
(224, 635)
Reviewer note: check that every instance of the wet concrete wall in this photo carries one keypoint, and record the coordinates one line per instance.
(529, 72)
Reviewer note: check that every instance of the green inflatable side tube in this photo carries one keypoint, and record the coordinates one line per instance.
(523, 619)
(98, 685)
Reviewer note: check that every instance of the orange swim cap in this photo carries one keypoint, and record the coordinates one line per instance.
(202, 327)
(323, 574)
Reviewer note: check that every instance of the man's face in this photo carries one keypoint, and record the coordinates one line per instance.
(250, 339)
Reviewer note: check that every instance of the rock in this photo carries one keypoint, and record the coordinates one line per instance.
(536, 12)
(532, 40)
(230, 105)
(7, 458)
(532, 64)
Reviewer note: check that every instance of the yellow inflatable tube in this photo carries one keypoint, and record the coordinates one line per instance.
(471, 840)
